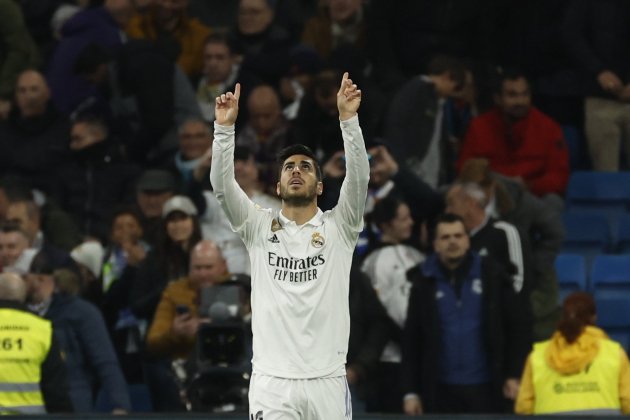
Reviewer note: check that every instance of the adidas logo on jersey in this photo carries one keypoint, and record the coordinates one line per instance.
(274, 239)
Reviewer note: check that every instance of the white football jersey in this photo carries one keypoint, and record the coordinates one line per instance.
(300, 274)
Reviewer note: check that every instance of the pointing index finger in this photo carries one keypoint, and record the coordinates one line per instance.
(237, 91)
(343, 83)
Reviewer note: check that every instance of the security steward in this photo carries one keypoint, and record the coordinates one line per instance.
(32, 372)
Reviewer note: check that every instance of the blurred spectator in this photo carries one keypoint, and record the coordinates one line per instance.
(145, 95)
(509, 201)
(263, 45)
(173, 332)
(97, 180)
(246, 172)
(175, 33)
(26, 215)
(304, 64)
(415, 128)
(88, 258)
(34, 139)
(82, 336)
(265, 132)
(19, 52)
(221, 70)
(596, 36)
(465, 341)
(337, 23)
(579, 355)
(386, 266)
(37, 369)
(14, 251)
(519, 141)
(56, 224)
(153, 188)
(369, 332)
(492, 238)
(169, 259)
(98, 25)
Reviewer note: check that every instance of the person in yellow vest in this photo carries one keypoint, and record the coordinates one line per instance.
(32, 373)
(579, 370)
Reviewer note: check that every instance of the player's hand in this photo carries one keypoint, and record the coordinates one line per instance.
(348, 98)
(226, 107)
(412, 406)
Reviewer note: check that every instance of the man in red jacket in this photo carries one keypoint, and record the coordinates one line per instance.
(518, 140)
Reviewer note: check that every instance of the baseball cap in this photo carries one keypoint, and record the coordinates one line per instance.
(156, 180)
(179, 203)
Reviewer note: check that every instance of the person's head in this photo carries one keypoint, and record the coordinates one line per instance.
(263, 106)
(13, 242)
(12, 287)
(254, 16)
(468, 201)
(578, 311)
(393, 219)
(195, 138)
(448, 75)
(207, 265)
(39, 279)
(451, 242)
(126, 227)
(13, 188)
(92, 63)
(245, 168)
(300, 176)
(325, 88)
(26, 215)
(153, 189)
(86, 131)
(343, 10)
(180, 215)
(513, 95)
(218, 59)
(120, 10)
(31, 93)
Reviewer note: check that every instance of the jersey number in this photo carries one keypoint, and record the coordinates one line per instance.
(11, 343)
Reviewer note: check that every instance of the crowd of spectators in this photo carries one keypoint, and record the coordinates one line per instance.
(106, 209)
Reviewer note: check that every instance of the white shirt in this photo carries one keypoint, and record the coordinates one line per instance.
(300, 274)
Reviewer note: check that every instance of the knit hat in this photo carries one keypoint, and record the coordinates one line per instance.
(90, 254)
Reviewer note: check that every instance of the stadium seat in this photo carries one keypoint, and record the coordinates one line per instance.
(610, 276)
(587, 234)
(571, 272)
(622, 237)
(613, 316)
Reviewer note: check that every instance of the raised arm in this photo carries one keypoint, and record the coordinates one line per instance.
(233, 199)
(354, 188)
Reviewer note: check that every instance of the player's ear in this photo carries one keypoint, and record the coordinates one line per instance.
(278, 188)
(320, 187)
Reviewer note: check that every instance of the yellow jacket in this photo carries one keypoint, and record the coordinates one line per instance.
(591, 375)
(25, 341)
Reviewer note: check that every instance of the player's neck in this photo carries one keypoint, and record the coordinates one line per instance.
(299, 214)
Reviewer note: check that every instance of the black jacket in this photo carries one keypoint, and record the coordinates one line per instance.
(506, 324)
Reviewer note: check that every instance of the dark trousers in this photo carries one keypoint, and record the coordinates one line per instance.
(465, 399)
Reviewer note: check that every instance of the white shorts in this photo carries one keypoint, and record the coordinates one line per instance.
(272, 398)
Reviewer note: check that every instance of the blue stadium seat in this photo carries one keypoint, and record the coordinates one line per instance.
(613, 316)
(622, 236)
(610, 276)
(587, 234)
(600, 192)
(571, 272)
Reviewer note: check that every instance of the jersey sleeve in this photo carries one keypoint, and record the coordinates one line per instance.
(348, 213)
(241, 212)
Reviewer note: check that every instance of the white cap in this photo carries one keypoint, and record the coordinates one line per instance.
(179, 203)
(90, 254)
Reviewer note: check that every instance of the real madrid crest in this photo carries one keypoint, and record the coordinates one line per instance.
(317, 240)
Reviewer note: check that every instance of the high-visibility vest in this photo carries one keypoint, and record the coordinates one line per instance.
(24, 344)
(594, 390)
